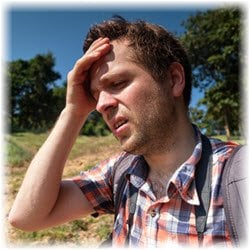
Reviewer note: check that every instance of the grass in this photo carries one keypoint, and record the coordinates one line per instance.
(21, 147)
(88, 231)
(17, 155)
(234, 139)
(87, 151)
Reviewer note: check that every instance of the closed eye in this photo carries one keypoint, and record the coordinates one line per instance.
(118, 85)
(112, 87)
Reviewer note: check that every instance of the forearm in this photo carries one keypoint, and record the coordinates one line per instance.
(40, 188)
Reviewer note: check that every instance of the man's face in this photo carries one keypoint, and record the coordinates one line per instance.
(138, 110)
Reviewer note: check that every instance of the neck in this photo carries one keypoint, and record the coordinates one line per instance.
(166, 162)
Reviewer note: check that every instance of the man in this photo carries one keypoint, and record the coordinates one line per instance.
(137, 75)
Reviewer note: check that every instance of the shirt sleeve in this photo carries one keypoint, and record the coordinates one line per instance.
(96, 185)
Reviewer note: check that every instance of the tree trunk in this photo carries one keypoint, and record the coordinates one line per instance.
(226, 127)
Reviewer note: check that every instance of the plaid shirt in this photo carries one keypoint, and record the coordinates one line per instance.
(171, 219)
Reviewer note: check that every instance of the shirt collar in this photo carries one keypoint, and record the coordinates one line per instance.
(183, 180)
(184, 177)
(138, 172)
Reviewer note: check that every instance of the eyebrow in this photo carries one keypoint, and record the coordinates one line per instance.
(107, 78)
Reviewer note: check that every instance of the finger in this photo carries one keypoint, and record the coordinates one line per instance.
(97, 43)
(97, 49)
(85, 62)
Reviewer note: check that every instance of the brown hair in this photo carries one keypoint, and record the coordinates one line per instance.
(154, 47)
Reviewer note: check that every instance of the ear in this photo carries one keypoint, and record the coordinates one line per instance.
(177, 76)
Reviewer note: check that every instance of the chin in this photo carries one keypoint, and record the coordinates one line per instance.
(127, 145)
(132, 146)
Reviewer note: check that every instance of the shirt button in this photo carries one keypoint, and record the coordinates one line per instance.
(153, 213)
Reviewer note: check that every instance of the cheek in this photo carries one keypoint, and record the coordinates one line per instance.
(130, 96)
(142, 97)
(147, 104)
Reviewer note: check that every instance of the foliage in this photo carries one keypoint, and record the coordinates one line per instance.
(33, 105)
(36, 101)
(198, 116)
(223, 108)
(213, 39)
(95, 125)
(104, 229)
(59, 95)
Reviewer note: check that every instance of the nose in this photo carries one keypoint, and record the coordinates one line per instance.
(105, 102)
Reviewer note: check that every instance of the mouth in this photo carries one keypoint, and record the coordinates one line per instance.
(119, 124)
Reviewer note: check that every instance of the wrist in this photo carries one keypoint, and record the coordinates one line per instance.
(72, 112)
(73, 116)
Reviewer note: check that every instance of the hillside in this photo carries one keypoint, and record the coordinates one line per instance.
(87, 151)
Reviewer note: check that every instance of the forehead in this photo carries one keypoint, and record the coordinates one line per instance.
(117, 59)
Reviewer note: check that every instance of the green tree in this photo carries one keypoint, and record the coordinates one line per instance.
(59, 97)
(95, 125)
(32, 100)
(197, 116)
(213, 39)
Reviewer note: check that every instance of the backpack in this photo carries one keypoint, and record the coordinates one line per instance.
(235, 193)
(232, 186)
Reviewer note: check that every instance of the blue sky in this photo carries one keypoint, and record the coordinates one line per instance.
(32, 31)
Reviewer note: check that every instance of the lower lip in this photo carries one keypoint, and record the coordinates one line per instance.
(118, 132)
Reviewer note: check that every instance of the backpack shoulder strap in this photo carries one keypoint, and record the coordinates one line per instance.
(203, 175)
(119, 172)
(119, 178)
(119, 183)
(235, 193)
